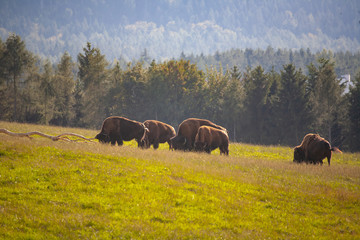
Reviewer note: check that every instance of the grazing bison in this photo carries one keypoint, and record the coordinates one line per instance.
(159, 132)
(313, 149)
(187, 131)
(119, 129)
(299, 151)
(209, 138)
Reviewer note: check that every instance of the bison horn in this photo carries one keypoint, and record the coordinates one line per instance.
(145, 131)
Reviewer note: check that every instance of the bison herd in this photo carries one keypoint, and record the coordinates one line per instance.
(199, 135)
(193, 134)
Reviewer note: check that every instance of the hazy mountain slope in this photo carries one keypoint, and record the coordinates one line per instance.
(166, 28)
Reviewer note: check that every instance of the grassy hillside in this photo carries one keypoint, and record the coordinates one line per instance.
(52, 190)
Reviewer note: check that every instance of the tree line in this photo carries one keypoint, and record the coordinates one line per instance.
(255, 105)
(270, 58)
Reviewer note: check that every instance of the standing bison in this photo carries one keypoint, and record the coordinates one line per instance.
(119, 129)
(185, 138)
(313, 149)
(159, 132)
(209, 138)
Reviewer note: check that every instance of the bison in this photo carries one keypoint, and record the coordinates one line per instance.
(209, 138)
(159, 132)
(185, 138)
(313, 149)
(119, 129)
(299, 151)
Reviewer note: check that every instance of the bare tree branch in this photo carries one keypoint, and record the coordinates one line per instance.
(62, 136)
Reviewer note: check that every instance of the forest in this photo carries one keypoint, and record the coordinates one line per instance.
(256, 100)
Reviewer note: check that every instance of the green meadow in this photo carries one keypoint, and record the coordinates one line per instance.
(78, 190)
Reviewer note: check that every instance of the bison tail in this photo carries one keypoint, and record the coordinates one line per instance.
(335, 149)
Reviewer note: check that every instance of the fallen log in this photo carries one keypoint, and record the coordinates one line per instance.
(63, 136)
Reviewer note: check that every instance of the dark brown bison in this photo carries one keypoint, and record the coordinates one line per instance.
(209, 138)
(299, 151)
(159, 132)
(185, 138)
(313, 149)
(119, 129)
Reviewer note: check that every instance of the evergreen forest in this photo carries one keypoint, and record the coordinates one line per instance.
(271, 96)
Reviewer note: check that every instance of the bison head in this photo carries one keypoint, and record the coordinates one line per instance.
(144, 143)
(103, 138)
(299, 155)
(199, 146)
(178, 142)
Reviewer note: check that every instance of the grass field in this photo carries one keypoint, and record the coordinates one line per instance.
(62, 190)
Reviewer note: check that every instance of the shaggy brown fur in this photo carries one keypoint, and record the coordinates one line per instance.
(119, 129)
(187, 131)
(314, 149)
(299, 151)
(209, 138)
(159, 132)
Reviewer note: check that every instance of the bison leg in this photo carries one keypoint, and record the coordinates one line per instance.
(141, 144)
(208, 150)
(170, 147)
(189, 145)
(224, 150)
(309, 161)
(329, 157)
(145, 143)
(113, 141)
(119, 142)
(198, 146)
(156, 145)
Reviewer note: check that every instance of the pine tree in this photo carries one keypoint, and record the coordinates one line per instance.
(257, 89)
(93, 80)
(271, 132)
(79, 119)
(134, 92)
(293, 106)
(158, 94)
(193, 86)
(32, 96)
(2, 65)
(114, 97)
(64, 86)
(4, 97)
(47, 90)
(354, 115)
(325, 97)
(233, 104)
(15, 60)
(216, 83)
